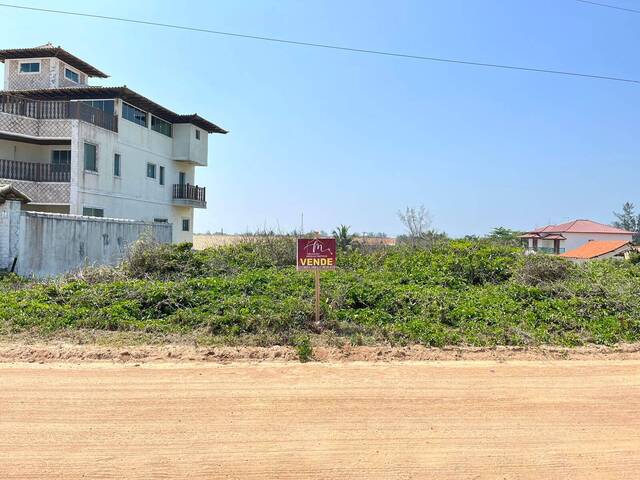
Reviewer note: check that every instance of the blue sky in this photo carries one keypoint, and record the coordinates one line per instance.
(350, 138)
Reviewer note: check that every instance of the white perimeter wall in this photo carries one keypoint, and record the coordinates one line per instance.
(47, 244)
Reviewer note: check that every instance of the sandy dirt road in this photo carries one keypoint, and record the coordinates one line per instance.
(422, 420)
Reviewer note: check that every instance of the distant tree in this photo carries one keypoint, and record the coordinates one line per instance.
(427, 240)
(505, 236)
(628, 220)
(344, 238)
(417, 222)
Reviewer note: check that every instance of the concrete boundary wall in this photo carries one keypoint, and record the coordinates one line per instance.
(50, 244)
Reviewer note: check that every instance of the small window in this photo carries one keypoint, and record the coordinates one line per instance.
(90, 157)
(116, 165)
(93, 212)
(185, 224)
(197, 134)
(161, 220)
(161, 176)
(151, 170)
(161, 126)
(30, 67)
(71, 75)
(134, 114)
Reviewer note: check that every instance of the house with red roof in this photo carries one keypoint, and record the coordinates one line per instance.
(566, 237)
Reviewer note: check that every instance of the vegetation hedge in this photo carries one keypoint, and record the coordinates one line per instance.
(457, 292)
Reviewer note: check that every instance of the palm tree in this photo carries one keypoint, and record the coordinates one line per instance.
(344, 238)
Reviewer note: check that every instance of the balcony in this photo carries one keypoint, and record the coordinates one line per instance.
(549, 250)
(189, 195)
(34, 172)
(43, 183)
(37, 116)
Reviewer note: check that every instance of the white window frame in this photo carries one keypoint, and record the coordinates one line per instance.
(73, 71)
(39, 62)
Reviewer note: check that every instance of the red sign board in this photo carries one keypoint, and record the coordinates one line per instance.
(316, 254)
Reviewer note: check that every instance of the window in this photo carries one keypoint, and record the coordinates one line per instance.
(197, 134)
(161, 176)
(161, 126)
(93, 212)
(104, 105)
(71, 75)
(182, 178)
(30, 67)
(185, 224)
(116, 165)
(161, 220)
(60, 160)
(151, 170)
(90, 157)
(134, 114)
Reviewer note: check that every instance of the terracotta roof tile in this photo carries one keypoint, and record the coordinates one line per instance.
(595, 249)
(581, 226)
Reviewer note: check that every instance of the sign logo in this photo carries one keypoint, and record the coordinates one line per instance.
(316, 254)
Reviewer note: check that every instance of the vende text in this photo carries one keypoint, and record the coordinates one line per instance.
(316, 262)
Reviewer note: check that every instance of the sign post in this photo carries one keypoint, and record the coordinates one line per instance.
(316, 254)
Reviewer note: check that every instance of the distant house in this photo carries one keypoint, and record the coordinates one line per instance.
(599, 249)
(566, 237)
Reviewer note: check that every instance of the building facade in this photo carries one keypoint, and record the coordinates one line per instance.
(559, 239)
(73, 148)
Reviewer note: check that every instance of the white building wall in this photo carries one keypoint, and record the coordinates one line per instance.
(133, 194)
(575, 240)
(187, 146)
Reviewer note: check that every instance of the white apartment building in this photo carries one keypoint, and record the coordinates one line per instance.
(96, 151)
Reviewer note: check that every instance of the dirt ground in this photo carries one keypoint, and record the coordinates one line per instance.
(25, 349)
(476, 419)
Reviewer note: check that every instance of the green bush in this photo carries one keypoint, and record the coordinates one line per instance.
(541, 269)
(304, 349)
(457, 292)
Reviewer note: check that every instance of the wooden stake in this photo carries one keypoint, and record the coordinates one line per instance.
(317, 296)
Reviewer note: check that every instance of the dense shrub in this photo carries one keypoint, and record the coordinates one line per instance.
(457, 292)
(541, 269)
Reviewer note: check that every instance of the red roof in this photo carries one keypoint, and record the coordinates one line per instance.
(581, 226)
(595, 249)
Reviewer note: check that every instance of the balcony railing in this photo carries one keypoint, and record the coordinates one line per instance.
(546, 249)
(57, 110)
(190, 192)
(34, 172)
